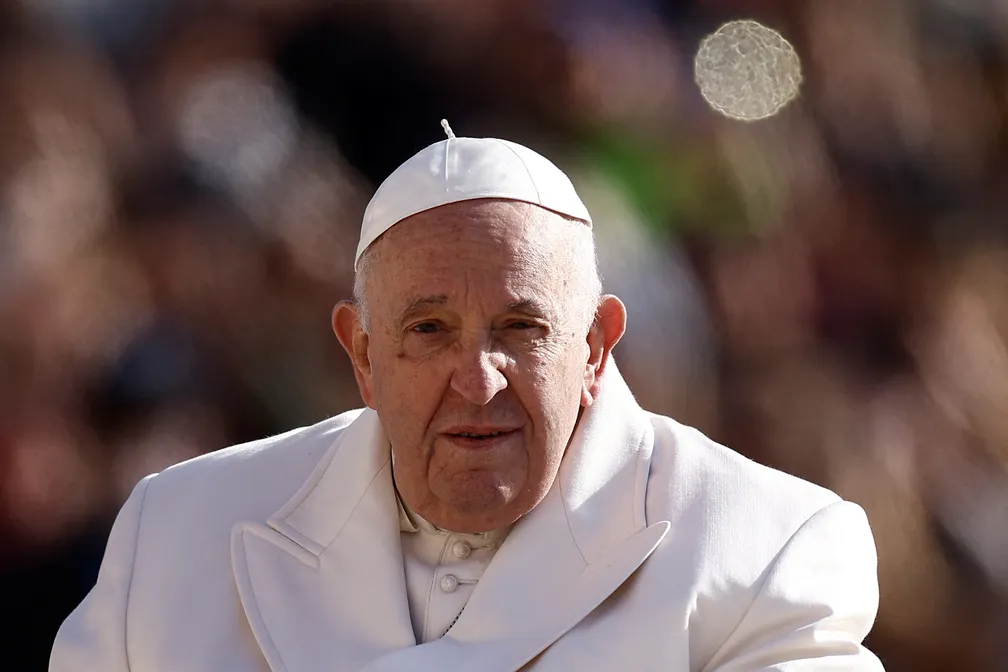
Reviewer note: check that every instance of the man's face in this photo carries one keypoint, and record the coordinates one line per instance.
(478, 357)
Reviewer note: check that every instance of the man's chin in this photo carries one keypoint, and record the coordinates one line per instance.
(475, 513)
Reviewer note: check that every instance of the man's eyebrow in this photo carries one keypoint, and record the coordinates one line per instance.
(421, 303)
(529, 307)
(418, 305)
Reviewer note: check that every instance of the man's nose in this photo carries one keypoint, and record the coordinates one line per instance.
(478, 377)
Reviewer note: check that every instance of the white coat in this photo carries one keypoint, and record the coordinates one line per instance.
(656, 549)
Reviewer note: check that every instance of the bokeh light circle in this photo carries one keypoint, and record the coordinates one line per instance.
(747, 71)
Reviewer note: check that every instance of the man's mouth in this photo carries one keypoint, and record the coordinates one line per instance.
(471, 435)
(476, 436)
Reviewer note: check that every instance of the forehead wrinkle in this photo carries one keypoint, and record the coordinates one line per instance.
(418, 303)
(530, 240)
(435, 237)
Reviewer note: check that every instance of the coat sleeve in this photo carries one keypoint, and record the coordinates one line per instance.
(818, 601)
(93, 637)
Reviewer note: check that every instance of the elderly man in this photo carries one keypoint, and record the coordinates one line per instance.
(502, 503)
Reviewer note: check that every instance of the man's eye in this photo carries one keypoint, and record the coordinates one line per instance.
(426, 328)
(521, 325)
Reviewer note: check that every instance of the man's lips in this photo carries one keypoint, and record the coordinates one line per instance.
(480, 430)
(479, 435)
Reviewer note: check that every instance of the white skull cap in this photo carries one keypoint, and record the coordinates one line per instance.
(463, 169)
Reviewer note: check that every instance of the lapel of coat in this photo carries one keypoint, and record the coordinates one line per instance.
(322, 582)
(564, 558)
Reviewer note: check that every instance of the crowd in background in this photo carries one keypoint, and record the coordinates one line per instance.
(825, 291)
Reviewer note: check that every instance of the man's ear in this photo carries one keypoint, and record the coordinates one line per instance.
(605, 332)
(346, 323)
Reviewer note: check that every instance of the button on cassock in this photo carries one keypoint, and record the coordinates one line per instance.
(449, 583)
(461, 550)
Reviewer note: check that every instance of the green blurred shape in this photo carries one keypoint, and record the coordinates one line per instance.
(676, 188)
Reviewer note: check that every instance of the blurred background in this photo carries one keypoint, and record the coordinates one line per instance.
(825, 291)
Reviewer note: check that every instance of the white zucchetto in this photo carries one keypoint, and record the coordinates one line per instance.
(462, 169)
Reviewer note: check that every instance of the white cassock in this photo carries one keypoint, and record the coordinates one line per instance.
(656, 549)
(442, 569)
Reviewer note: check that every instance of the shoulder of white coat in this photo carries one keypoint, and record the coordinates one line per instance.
(249, 478)
(731, 517)
(688, 466)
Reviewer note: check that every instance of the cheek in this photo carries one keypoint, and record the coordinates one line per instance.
(552, 386)
(407, 398)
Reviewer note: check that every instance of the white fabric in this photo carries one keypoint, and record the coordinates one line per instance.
(656, 549)
(442, 570)
(462, 169)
